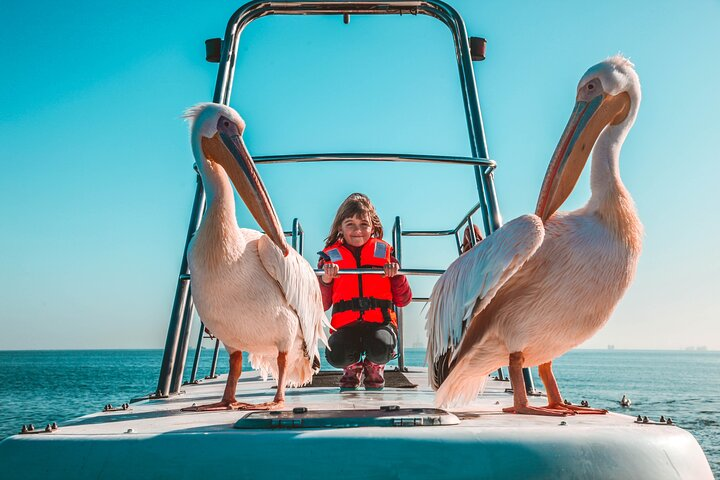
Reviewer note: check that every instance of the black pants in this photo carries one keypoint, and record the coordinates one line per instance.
(375, 340)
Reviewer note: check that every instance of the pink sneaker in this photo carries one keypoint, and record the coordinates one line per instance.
(374, 379)
(351, 376)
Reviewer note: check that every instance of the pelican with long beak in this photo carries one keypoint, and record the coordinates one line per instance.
(544, 283)
(251, 290)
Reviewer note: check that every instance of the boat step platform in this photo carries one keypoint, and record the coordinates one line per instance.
(322, 432)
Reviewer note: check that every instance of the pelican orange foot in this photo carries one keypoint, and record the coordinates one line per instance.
(520, 399)
(229, 402)
(555, 400)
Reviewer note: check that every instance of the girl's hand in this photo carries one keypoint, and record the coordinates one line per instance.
(331, 272)
(391, 269)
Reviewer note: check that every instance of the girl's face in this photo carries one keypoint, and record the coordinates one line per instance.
(356, 231)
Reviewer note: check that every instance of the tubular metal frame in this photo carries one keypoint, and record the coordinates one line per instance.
(183, 308)
(183, 302)
(373, 157)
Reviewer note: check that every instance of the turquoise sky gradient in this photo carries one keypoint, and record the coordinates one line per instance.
(97, 183)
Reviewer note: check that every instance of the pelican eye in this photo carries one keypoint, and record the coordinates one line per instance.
(590, 86)
(227, 124)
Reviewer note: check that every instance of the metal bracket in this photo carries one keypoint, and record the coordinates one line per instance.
(110, 408)
(213, 48)
(30, 429)
(157, 395)
(644, 420)
(533, 393)
(478, 45)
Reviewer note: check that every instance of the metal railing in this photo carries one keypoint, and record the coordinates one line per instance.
(176, 344)
(374, 157)
(181, 316)
(426, 272)
(398, 233)
(297, 235)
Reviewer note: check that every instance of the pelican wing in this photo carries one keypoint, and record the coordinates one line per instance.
(299, 283)
(471, 281)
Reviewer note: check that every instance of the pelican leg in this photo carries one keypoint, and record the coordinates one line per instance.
(279, 400)
(228, 401)
(555, 400)
(520, 399)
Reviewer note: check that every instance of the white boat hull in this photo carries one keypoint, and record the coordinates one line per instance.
(154, 439)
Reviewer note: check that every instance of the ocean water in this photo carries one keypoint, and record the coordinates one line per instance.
(40, 387)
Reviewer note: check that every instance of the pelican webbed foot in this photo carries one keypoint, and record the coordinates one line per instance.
(274, 405)
(224, 406)
(530, 410)
(221, 406)
(520, 400)
(577, 409)
(555, 400)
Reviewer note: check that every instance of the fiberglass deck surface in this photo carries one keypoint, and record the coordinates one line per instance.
(165, 416)
(154, 435)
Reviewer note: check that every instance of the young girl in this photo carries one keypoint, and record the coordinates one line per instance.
(363, 320)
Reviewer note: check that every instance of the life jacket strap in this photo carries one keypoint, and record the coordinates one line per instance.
(362, 304)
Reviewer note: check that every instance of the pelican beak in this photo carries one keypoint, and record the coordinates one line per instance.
(589, 118)
(227, 148)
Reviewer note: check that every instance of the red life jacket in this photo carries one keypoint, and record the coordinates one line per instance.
(361, 298)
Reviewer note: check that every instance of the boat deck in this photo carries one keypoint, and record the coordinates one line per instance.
(155, 438)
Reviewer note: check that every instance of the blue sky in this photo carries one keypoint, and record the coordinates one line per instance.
(97, 183)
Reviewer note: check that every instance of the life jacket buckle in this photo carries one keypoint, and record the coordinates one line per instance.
(364, 304)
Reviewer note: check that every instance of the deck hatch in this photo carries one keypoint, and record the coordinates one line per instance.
(401, 417)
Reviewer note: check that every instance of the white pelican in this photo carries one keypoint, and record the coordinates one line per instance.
(251, 290)
(544, 283)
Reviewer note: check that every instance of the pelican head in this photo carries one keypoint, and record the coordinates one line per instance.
(608, 95)
(216, 135)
